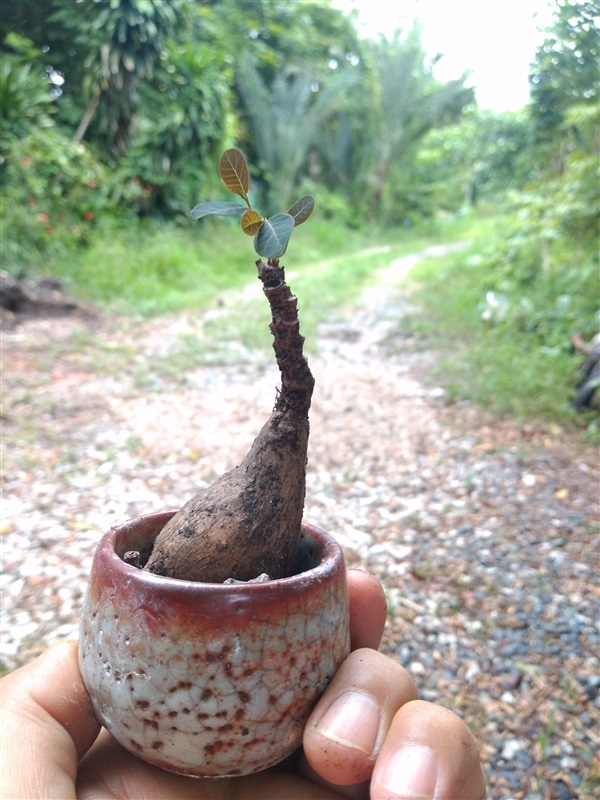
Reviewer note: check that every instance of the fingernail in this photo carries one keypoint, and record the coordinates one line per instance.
(353, 721)
(408, 774)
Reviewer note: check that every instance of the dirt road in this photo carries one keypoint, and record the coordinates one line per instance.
(483, 534)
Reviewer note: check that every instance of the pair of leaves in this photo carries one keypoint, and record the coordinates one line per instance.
(271, 236)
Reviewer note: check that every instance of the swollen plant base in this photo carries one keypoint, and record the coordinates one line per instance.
(210, 680)
(248, 521)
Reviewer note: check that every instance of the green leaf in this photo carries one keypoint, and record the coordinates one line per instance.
(233, 169)
(217, 209)
(302, 209)
(251, 222)
(272, 239)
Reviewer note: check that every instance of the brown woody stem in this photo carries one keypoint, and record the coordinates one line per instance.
(297, 382)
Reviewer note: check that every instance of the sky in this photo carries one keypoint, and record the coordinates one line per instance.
(495, 40)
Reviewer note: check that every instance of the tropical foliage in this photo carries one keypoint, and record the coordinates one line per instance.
(157, 90)
(114, 112)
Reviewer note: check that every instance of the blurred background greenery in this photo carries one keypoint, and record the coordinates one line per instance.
(114, 114)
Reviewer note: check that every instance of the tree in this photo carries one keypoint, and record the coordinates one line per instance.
(26, 19)
(297, 51)
(409, 103)
(280, 33)
(123, 40)
(565, 70)
(184, 120)
(564, 80)
(481, 156)
(286, 117)
(549, 249)
(25, 101)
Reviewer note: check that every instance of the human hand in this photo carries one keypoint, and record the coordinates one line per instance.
(368, 736)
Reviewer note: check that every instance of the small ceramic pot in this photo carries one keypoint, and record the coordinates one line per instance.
(207, 679)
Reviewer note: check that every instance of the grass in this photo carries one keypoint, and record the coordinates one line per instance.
(512, 368)
(521, 367)
(149, 268)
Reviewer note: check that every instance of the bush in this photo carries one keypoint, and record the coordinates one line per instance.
(25, 102)
(54, 193)
(507, 324)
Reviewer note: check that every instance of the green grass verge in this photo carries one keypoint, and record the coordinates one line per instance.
(521, 367)
(148, 267)
(154, 268)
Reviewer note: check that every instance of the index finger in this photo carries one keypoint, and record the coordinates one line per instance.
(368, 609)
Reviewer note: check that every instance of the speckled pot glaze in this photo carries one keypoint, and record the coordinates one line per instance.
(207, 679)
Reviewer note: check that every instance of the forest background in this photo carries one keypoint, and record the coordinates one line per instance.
(114, 114)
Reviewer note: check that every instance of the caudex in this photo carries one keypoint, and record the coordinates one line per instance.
(248, 522)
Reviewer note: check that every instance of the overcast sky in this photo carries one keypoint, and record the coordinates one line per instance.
(496, 40)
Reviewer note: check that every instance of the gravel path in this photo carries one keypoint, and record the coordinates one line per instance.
(483, 534)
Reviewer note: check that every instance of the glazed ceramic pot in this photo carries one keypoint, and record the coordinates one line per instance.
(207, 679)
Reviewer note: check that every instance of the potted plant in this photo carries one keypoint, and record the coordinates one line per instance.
(209, 633)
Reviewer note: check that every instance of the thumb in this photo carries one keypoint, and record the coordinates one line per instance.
(47, 726)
